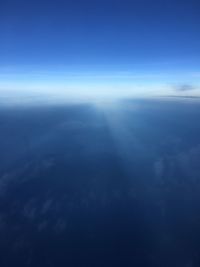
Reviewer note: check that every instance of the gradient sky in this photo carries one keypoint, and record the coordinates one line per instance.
(100, 45)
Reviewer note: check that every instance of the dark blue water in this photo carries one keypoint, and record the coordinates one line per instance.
(109, 184)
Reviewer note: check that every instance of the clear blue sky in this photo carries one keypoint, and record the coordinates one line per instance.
(99, 42)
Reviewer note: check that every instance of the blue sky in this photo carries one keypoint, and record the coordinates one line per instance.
(136, 46)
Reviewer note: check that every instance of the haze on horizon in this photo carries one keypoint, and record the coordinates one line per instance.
(93, 49)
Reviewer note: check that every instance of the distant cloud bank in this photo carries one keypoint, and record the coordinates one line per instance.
(185, 87)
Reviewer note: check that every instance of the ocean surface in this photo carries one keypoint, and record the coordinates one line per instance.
(100, 184)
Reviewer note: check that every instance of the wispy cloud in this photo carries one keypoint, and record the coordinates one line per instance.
(185, 87)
